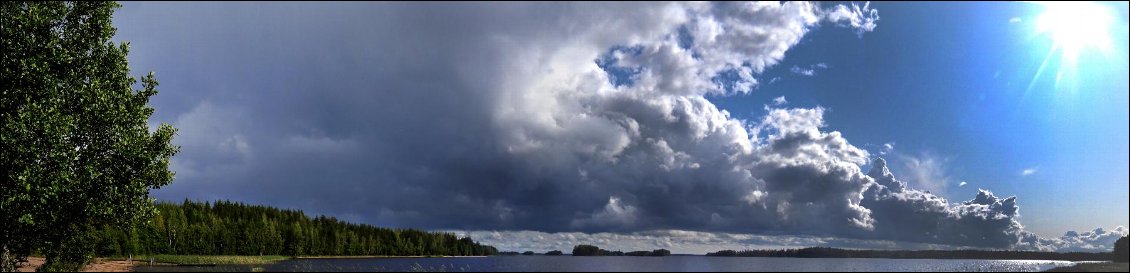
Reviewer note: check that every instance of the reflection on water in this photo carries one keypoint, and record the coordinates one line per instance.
(670, 263)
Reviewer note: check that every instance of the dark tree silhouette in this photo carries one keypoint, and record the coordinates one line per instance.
(586, 250)
(589, 250)
(1120, 250)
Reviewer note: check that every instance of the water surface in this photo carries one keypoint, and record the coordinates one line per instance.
(670, 263)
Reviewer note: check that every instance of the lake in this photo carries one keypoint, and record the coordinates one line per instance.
(669, 263)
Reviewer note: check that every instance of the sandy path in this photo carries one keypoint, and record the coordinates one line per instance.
(98, 265)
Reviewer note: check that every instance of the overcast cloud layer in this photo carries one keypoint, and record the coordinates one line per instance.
(556, 117)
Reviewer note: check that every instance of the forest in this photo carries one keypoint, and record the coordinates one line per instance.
(230, 228)
(590, 250)
(825, 252)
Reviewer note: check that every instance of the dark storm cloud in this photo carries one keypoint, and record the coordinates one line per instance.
(476, 116)
(917, 216)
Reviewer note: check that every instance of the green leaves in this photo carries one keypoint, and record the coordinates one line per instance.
(75, 143)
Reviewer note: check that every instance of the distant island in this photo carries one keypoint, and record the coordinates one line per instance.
(825, 252)
(589, 250)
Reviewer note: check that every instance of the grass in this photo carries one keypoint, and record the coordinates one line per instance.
(1094, 267)
(210, 259)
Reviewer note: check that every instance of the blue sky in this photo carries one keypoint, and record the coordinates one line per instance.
(950, 82)
(688, 126)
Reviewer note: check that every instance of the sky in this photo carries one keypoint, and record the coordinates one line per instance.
(689, 126)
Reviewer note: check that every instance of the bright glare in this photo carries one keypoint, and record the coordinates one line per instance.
(1076, 26)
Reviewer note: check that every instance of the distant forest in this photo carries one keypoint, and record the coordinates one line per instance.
(590, 250)
(824, 252)
(229, 228)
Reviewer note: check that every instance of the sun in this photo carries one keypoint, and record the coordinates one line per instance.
(1076, 26)
(1074, 29)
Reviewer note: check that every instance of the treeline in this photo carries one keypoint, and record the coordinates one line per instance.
(590, 250)
(824, 252)
(229, 228)
(653, 253)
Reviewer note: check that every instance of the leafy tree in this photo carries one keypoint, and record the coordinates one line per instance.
(554, 253)
(76, 150)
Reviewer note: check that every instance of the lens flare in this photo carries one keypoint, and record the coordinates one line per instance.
(1074, 28)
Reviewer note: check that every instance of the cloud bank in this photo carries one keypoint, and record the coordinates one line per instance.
(576, 118)
(677, 241)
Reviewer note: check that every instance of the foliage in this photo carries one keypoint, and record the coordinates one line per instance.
(528, 253)
(554, 253)
(824, 252)
(228, 228)
(77, 150)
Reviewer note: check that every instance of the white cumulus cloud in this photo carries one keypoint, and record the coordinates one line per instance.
(565, 118)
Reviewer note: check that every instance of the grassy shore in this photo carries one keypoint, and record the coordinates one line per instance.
(119, 264)
(1094, 267)
(209, 259)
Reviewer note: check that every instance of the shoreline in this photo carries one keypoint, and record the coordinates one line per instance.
(97, 265)
(121, 265)
(380, 257)
(1093, 267)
